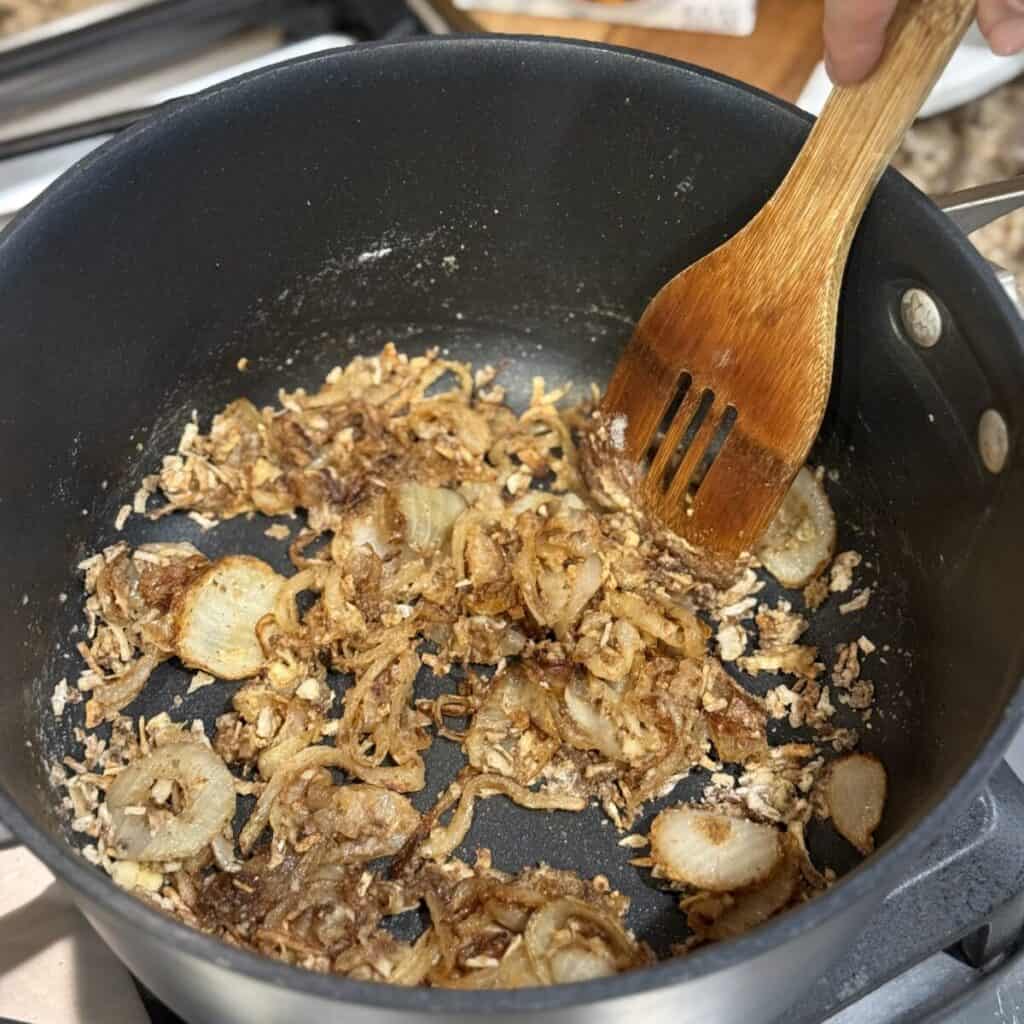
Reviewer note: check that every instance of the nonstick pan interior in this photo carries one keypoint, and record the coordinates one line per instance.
(525, 221)
(581, 349)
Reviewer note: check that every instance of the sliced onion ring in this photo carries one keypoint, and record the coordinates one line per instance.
(545, 923)
(209, 790)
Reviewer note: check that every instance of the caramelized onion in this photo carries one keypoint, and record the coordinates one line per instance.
(750, 907)
(612, 661)
(116, 692)
(576, 963)
(585, 585)
(417, 964)
(514, 971)
(687, 634)
(429, 514)
(443, 840)
(737, 720)
(557, 956)
(311, 757)
(443, 534)
(598, 729)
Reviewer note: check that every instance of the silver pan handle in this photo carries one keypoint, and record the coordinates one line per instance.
(973, 208)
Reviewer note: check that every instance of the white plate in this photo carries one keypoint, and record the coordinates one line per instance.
(973, 71)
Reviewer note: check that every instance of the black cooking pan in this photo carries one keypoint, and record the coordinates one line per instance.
(569, 181)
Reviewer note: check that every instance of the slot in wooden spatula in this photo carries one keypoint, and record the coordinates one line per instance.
(725, 380)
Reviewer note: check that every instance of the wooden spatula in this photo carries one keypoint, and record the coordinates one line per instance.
(732, 359)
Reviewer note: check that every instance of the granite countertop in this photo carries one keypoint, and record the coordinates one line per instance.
(21, 15)
(980, 142)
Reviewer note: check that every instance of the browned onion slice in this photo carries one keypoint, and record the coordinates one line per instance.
(218, 615)
(801, 538)
(558, 959)
(712, 851)
(855, 791)
(444, 839)
(757, 904)
(117, 692)
(429, 514)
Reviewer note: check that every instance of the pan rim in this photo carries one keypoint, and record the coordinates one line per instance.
(870, 880)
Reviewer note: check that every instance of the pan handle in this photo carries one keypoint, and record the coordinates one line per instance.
(973, 208)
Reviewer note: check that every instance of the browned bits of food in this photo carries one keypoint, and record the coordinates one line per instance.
(130, 620)
(585, 633)
(737, 720)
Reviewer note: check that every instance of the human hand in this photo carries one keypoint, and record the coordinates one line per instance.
(855, 33)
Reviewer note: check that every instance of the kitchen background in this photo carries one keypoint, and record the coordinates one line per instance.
(52, 969)
(976, 141)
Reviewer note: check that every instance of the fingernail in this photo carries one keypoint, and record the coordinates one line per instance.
(1007, 37)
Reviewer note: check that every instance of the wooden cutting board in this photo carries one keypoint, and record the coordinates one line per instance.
(778, 57)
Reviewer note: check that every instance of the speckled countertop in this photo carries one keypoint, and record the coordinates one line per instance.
(977, 143)
(21, 15)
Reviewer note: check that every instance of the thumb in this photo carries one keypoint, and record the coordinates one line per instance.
(854, 37)
(1002, 21)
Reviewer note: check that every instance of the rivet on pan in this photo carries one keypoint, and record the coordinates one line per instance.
(993, 440)
(921, 317)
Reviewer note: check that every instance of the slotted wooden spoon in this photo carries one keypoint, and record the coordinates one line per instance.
(732, 359)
